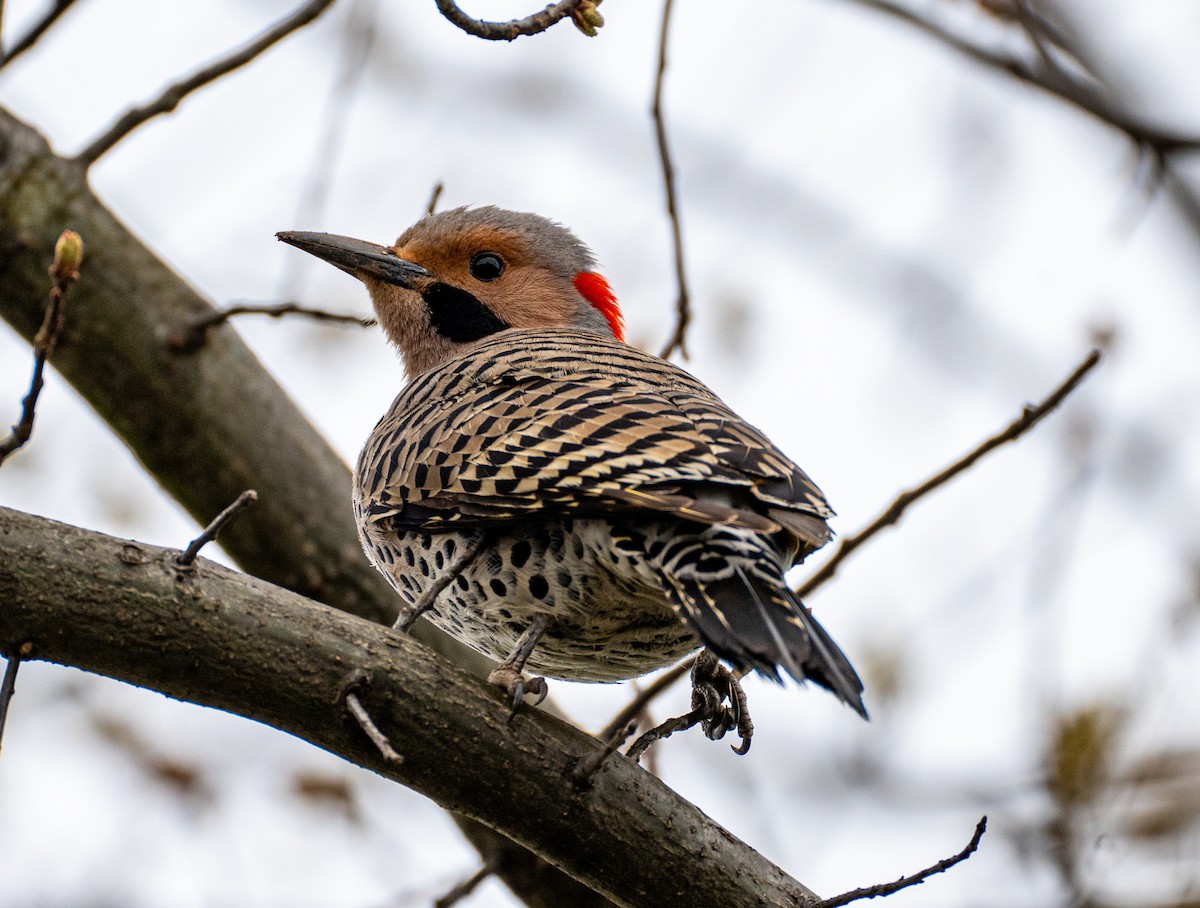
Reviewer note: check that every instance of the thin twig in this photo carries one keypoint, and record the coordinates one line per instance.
(35, 32)
(9, 686)
(1029, 417)
(639, 703)
(408, 617)
(173, 95)
(683, 306)
(664, 731)
(189, 554)
(367, 724)
(469, 885)
(1039, 36)
(68, 254)
(870, 892)
(712, 685)
(433, 197)
(353, 63)
(193, 336)
(507, 31)
(1089, 96)
(586, 769)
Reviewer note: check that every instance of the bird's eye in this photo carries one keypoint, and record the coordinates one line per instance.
(486, 266)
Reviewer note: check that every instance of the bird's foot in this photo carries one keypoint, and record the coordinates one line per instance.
(712, 685)
(518, 687)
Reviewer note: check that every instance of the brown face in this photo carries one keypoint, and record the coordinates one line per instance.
(459, 276)
(434, 294)
(500, 271)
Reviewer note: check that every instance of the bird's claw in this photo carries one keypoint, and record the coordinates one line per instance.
(518, 687)
(712, 685)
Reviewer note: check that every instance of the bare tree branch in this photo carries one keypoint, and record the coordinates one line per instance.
(230, 641)
(35, 32)
(433, 197)
(8, 687)
(1029, 417)
(683, 308)
(507, 31)
(1090, 96)
(188, 556)
(193, 335)
(63, 273)
(466, 887)
(172, 96)
(870, 892)
(639, 703)
(367, 724)
(1087, 96)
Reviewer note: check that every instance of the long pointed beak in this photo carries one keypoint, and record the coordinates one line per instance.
(356, 257)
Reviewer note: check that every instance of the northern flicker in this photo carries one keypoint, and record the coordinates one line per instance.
(556, 498)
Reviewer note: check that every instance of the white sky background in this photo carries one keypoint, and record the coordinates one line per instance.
(890, 250)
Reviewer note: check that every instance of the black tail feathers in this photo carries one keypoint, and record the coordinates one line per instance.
(753, 624)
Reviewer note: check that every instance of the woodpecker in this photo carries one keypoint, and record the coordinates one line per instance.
(556, 498)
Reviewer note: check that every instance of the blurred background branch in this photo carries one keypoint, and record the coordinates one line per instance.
(172, 96)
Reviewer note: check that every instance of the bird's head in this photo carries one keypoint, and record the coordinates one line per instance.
(456, 277)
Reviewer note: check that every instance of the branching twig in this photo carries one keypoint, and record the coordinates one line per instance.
(170, 98)
(68, 254)
(467, 886)
(188, 556)
(1027, 420)
(192, 336)
(367, 724)
(663, 731)
(35, 32)
(9, 686)
(587, 768)
(507, 31)
(870, 892)
(639, 703)
(433, 197)
(683, 308)
(712, 685)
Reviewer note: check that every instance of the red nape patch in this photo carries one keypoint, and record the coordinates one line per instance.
(595, 289)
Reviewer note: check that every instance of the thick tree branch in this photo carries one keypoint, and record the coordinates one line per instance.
(208, 426)
(174, 94)
(230, 641)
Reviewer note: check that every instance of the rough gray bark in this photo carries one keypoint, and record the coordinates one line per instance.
(227, 640)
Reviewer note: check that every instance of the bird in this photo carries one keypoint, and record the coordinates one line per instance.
(553, 496)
